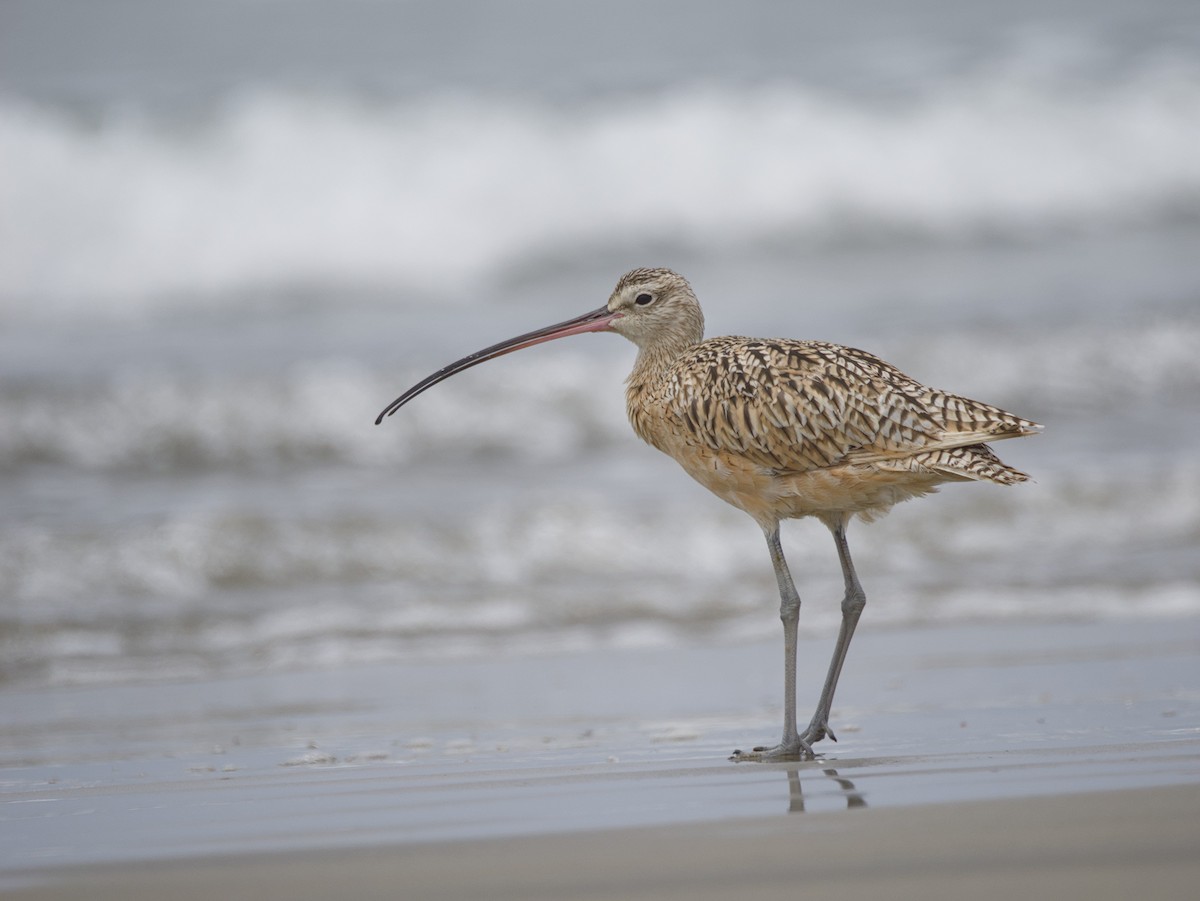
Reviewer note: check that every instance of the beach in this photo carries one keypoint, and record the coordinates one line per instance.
(1015, 759)
(253, 645)
(1105, 846)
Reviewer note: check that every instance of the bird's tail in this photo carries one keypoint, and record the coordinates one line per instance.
(975, 462)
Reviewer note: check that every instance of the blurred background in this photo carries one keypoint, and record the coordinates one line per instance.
(231, 232)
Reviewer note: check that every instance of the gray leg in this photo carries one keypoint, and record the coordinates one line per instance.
(792, 746)
(852, 608)
(789, 615)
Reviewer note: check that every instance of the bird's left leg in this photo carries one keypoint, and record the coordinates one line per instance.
(852, 607)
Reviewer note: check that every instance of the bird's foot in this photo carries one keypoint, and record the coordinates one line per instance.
(817, 730)
(797, 749)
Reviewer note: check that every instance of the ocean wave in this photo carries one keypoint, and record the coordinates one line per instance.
(283, 544)
(439, 194)
(308, 414)
(548, 407)
(234, 590)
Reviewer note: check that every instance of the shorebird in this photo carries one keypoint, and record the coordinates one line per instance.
(782, 429)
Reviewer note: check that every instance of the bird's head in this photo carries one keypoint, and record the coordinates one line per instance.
(656, 307)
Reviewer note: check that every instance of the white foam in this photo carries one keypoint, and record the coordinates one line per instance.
(551, 406)
(281, 189)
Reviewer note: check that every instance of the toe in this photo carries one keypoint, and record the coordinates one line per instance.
(799, 750)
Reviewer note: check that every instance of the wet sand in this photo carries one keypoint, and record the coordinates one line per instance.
(1119, 845)
(1000, 760)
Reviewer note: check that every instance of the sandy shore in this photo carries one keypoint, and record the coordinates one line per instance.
(1037, 760)
(1118, 845)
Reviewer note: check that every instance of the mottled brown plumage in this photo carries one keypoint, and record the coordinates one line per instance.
(783, 429)
(786, 429)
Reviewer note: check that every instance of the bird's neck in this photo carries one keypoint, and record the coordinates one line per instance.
(648, 386)
(653, 360)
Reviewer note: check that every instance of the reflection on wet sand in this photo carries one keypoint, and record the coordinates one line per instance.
(796, 791)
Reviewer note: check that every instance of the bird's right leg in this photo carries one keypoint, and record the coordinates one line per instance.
(792, 746)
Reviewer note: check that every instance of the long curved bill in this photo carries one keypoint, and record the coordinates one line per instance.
(596, 321)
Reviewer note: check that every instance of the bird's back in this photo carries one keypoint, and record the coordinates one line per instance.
(795, 407)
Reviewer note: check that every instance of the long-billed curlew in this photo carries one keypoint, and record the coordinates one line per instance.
(782, 429)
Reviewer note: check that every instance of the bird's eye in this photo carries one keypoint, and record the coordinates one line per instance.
(644, 299)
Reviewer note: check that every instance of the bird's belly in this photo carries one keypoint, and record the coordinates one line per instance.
(770, 496)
